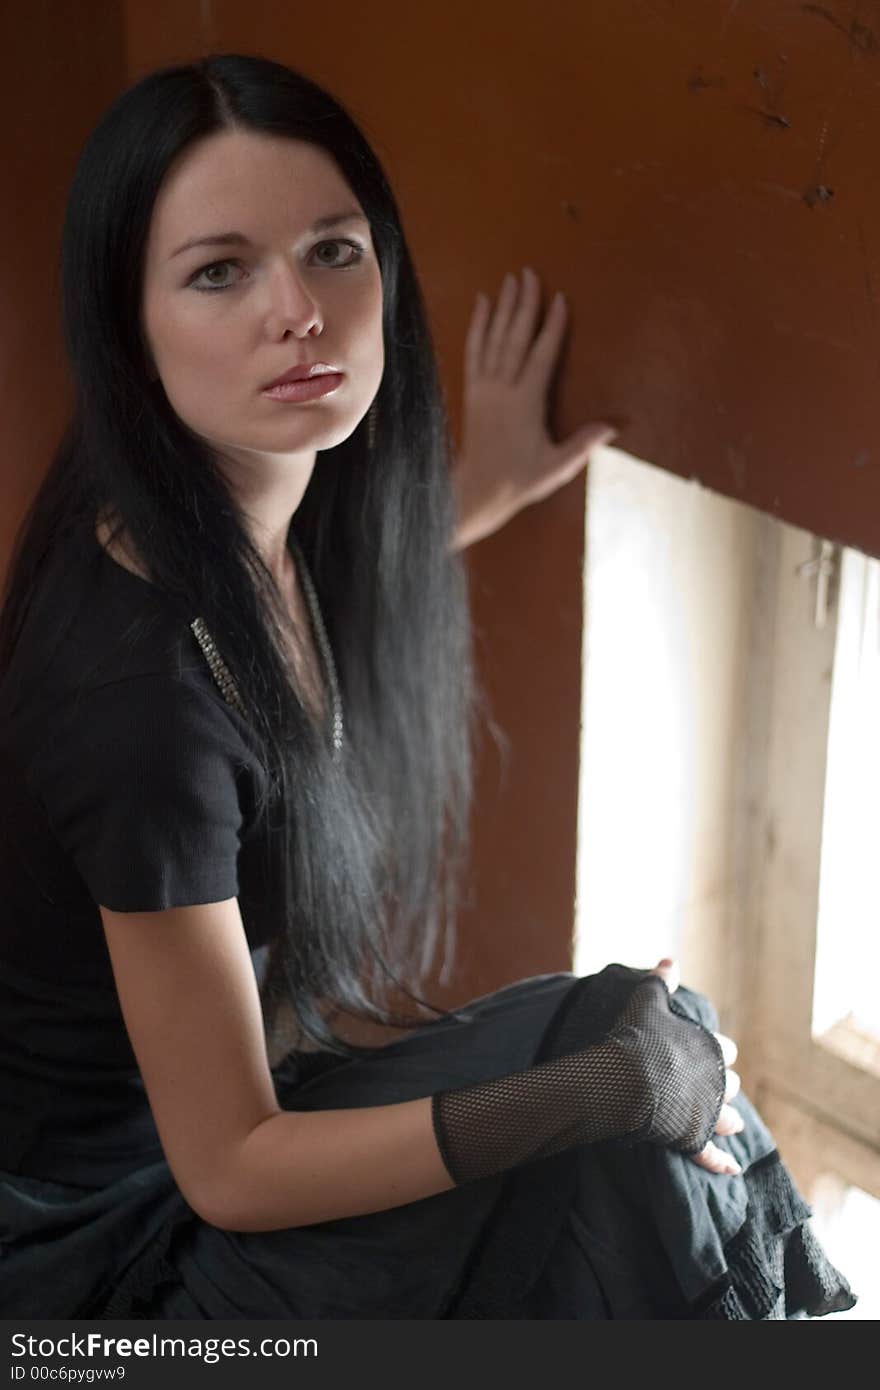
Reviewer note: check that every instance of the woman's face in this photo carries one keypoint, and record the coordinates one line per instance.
(224, 319)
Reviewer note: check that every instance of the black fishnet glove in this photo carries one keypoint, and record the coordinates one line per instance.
(656, 1077)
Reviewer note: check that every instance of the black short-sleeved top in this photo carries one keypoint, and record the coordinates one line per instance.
(126, 780)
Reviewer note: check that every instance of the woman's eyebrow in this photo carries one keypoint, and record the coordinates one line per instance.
(227, 238)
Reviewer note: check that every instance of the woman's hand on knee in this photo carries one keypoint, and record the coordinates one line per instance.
(730, 1121)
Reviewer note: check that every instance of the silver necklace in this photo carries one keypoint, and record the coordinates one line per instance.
(223, 677)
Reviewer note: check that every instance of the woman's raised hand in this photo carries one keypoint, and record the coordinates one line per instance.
(508, 459)
(729, 1120)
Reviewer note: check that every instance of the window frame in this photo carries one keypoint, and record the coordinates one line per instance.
(823, 1109)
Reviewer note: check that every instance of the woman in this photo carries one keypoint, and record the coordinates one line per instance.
(236, 698)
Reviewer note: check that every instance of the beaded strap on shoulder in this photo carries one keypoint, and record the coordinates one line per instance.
(219, 669)
(226, 684)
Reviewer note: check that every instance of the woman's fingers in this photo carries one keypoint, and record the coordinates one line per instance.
(733, 1085)
(716, 1160)
(546, 347)
(729, 1121)
(502, 337)
(669, 971)
(728, 1048)
(476, 336)
(515, 348)
(499, 325)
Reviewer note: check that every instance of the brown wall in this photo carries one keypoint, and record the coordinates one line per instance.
(699, 177)
(61, 68)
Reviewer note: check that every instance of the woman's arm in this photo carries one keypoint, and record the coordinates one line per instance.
(508, 459)
(191, 1006)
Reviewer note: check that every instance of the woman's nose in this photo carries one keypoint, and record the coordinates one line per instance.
(291, 306)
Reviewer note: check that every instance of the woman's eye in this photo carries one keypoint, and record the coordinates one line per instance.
(327, 254)
(356, 251)
(205, 271)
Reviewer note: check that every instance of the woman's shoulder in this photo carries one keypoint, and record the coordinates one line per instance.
(111, 691)
(97, 621)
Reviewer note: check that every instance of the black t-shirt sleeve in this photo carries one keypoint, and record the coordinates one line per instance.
(138, 778)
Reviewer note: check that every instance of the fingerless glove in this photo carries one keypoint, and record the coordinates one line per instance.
(655, 1076)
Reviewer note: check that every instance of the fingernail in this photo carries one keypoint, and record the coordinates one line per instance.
(733, 1169)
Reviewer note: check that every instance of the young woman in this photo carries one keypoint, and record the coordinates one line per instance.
(235, 715)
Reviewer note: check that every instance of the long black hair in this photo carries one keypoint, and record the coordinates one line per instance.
(373, 842)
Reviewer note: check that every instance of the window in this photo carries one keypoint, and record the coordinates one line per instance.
(846, 1001)
(730, 790)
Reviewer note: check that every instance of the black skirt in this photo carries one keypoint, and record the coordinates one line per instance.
(602, 1231)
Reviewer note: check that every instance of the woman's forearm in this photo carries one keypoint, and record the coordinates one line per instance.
(480, 509)
(654, 1075)
(300, 1167)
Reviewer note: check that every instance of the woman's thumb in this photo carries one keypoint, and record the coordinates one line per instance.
(669, 971)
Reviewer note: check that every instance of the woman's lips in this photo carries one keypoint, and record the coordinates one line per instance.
(306, 389)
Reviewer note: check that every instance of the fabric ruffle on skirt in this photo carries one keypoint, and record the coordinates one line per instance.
(603, 1231)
